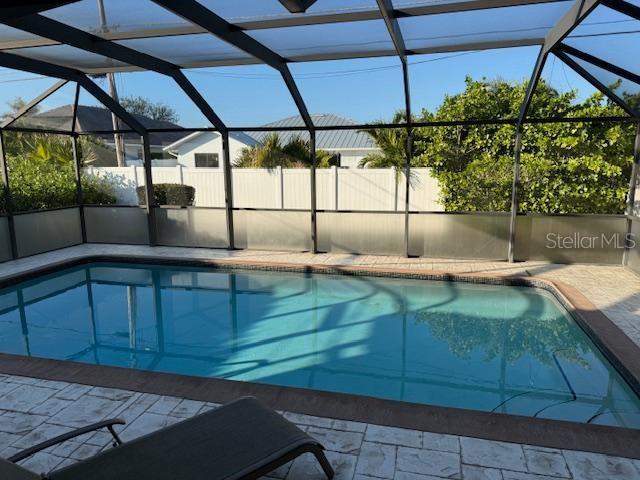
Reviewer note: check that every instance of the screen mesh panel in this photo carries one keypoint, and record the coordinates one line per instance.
(440, 80)
(325, 39)
(188, 50)
(529, 22)
(121, 16)
(610, 36)
(625, 89)
(361, 90)
(559, 92)
(244, 96)
(69, 57)
(8, 35)
(163, 106)
(248, 10)
(18, 88)
(54, 112)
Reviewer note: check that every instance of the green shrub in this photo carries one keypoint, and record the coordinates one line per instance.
(169, 194)
(38, 185)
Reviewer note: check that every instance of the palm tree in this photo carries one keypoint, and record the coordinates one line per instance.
(393, 146)
(296, 153)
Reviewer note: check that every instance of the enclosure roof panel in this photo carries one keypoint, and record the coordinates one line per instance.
(330, 29)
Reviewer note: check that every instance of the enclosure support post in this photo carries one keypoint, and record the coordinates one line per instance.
(148, 189)
(314, 213)
(409, 149)
(77, 163)
(395, 32)
(514, 195)
(228, 187)
(631, 198)
(8, 204)
(524, 108)
(79, 195)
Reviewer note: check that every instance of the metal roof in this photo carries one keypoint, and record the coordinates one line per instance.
(97, 119)
(325, 139)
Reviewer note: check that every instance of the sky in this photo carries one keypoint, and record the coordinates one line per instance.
(362, 90)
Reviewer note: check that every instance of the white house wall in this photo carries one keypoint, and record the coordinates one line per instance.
(207, 142)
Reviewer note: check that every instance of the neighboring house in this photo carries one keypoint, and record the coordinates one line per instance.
(204, 149)
(97, 119)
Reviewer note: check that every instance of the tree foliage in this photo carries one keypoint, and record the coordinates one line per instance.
(42, 174)
(156, 110)
(272, 153)
(570, 167)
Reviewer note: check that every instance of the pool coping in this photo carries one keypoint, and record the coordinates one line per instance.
(619, 349)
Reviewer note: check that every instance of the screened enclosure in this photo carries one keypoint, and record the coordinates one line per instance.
(376, 111)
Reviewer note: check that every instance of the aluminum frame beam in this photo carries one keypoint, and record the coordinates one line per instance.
(39, 67)
(598, 62)
(595, 82)
(578, 12)
(390, 20)
(623, 7)
(309, 19)
(18, 8)
(43, 26)
(77, 165)
(43, 68)
(315, 57)
(197, 14)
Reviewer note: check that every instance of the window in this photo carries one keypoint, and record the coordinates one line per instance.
(206, 160)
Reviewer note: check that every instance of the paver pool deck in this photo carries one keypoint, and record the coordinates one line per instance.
(32, 410)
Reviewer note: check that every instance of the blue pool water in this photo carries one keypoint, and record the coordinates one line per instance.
(491, 348)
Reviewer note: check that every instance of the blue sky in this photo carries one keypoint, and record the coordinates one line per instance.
(363, 90)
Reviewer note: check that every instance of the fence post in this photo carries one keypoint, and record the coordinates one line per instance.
(134, 174)
(334, 172)
(280, 186)
(395, 178)
(314, 214)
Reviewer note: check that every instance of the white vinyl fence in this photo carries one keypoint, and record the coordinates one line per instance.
(337, 189)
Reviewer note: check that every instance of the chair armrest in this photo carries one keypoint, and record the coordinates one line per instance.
(69, 435)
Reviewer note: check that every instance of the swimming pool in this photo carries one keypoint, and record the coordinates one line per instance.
(492, 348)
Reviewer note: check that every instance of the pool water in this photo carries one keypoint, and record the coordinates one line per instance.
(484, 347)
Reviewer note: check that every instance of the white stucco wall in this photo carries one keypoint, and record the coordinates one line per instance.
(207, 142)
(351, 158)
(211, 142)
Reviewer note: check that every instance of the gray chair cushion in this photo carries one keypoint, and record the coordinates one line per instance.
(11, 471)
(226, 443)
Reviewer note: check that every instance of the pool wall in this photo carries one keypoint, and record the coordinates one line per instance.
(616, 346)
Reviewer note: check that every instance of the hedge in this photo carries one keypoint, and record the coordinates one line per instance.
(168, 194)
(37, 186)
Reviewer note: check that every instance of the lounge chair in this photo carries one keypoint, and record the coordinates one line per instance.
(240, 440)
